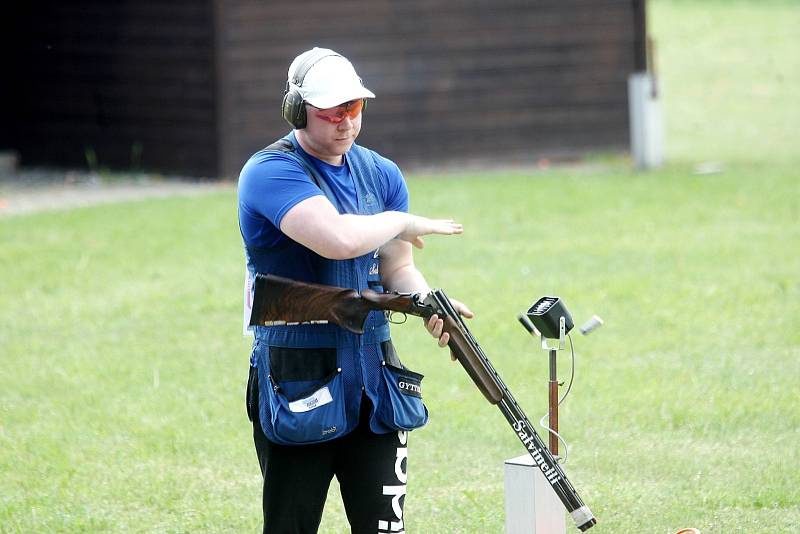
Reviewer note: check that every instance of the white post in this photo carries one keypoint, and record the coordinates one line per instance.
(532, 507)
(647, 135)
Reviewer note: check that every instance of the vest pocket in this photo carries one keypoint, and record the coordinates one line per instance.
(402, 408)
(301, 367)
(305, 395)
(317, 416)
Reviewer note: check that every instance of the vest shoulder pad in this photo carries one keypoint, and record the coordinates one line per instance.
(281, 145)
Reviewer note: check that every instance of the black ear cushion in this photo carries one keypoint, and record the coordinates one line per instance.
(293, 109)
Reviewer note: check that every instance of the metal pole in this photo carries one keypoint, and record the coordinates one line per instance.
(553, 404)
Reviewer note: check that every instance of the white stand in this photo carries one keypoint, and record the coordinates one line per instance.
(647, 132)
(532, 507)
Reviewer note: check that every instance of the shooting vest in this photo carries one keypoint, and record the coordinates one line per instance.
(312, 377)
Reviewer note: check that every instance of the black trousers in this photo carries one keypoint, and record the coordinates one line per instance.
(370, 468)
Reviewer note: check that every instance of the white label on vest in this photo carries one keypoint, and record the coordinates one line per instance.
(248, 302)
(321, 397)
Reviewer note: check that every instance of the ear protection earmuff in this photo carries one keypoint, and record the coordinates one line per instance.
(293, 106)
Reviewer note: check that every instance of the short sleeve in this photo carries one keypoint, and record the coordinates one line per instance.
(270, 185)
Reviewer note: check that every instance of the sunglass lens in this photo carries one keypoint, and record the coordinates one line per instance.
(354, 108)
(336, 115)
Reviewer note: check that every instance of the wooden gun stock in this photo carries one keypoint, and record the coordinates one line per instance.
(278, 300)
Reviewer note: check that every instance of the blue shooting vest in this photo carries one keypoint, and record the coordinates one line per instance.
(312, 377)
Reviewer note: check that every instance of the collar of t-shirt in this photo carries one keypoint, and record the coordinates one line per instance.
(339, 180)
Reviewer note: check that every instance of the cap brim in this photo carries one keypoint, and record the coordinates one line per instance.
(329, 100)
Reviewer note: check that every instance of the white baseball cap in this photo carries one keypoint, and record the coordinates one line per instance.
(329, 81)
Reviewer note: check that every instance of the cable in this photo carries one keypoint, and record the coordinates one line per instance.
(564, 396)
(572, 372)
(558, 458)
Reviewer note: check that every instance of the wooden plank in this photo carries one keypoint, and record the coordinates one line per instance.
(119, 75)
(450, 75)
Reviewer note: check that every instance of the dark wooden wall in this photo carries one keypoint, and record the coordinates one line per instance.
(131, 82)
(467, 79)
(194, 87)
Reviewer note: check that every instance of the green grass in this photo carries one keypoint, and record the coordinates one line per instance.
(122, 367)
(729, 73)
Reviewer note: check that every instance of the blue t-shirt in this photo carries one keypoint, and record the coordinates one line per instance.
(271, 183)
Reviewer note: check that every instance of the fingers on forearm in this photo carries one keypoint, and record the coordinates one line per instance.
(431, 323)
(462, 309)
(436, 327)
(444, 339)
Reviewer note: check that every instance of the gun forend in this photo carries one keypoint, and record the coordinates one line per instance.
(466, 350)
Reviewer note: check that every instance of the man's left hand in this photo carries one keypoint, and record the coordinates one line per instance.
(435, 324)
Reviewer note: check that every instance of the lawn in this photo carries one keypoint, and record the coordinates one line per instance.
(123, 368)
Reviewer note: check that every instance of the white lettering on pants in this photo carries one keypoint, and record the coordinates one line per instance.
(397, 491)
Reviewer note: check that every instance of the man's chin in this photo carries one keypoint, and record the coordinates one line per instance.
(344, 144)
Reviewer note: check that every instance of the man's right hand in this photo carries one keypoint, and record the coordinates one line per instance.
(419, 226)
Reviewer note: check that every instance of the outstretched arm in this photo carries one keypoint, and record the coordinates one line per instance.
(316, 224)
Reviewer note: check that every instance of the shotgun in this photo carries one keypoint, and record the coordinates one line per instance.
(278, 300)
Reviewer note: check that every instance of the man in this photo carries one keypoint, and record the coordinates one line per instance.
(324, 402)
